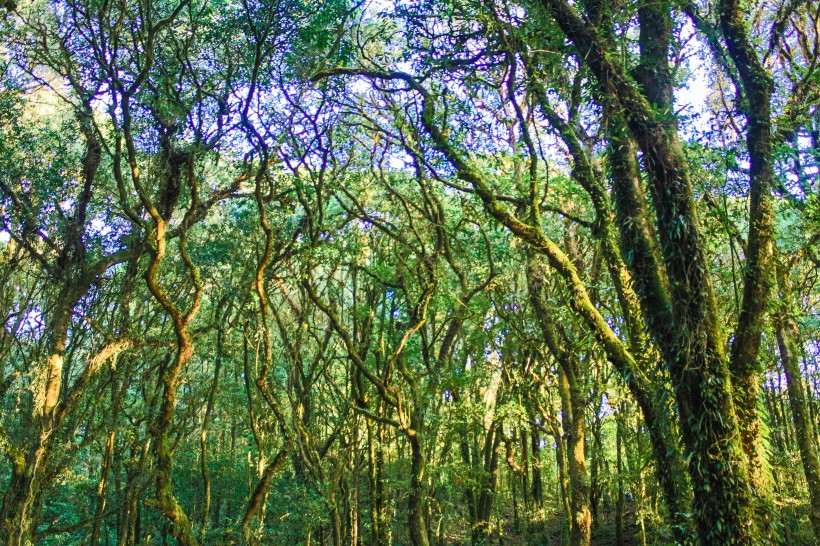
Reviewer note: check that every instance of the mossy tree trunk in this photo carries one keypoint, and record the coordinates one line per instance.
(788, 342)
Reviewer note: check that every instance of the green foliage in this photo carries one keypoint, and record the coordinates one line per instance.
(359, 296)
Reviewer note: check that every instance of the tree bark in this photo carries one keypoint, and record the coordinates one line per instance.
(203, 434)
(102, 488)
(757, 86)
(573, 404)
(788, 343)
(254, 507)
(418, 468)
(723, 505)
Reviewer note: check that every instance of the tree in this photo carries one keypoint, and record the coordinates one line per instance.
(433, 273)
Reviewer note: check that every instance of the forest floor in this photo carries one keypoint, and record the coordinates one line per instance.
(795, 529)
(603, 534)
(549, 533)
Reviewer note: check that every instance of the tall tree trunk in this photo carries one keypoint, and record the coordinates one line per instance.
(481, 525)
(643, 273)
(257, 498)
(650, 283)
(17, 522)
(354, 504)
(203, 434)
(535, 456)
(561, 469)
(577, 467)
(378, 515)
(619, 501)
(418, 468)
(757, 86)
(788, 343)
(165, 499)
(102, 488)
(573, 404)
(20, 506)
(699, 364)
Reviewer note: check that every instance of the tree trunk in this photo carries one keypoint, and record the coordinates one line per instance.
(695, 351)
(203, 435)
(481, 525)
(535, 456)
(102, 488)
(257, 498)
(619, 501)
(563, 475)
(415, 519)
(375, 471)
(577, 467)
(17, 521)
(788, 344)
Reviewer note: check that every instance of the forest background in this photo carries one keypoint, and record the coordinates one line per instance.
(438, 272)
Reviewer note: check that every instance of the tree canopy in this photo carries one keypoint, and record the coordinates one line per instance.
(431, 272)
